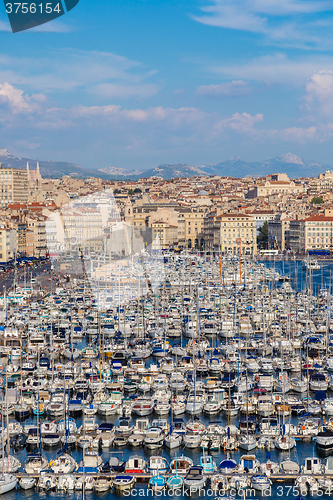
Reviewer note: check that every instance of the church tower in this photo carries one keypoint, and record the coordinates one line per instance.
(28, 176)
(128, 211)
(38, 181)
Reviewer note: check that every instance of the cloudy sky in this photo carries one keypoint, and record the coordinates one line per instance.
(133, 84)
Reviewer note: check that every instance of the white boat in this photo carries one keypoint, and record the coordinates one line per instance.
(265, 407)
(124, 482)
(248, 463)
(285, 443)
(299, 385)
(162, 408)
(9, 464)
(312, 264)
(181, 465)
(238, 482)
(269, 467)
(27, 482)
(51, 440)
(103, 440)
(306, 484)
(283, 384)
(101, 485)
(47, 481)
(65, 464)
(328, 407)
(35, 463)
(84, 441)
(135, 465)
(195, 479)
(107, 408)
(7, 483)
(191, 330)
(191, 440)
(324, 440)
(89, 482)
(289, 467)
(247, 442)
(312, 465)
(328, 466)
(173, 440)
(219, 484)
(66, 482)
(157, 465)
(266, 442)
(261, 483)
(154, 438)
(318, 382)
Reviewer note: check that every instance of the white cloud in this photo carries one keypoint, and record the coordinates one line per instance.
(27, 145)
(17, 101)
(234, 88)
(111, 90)
(144, 130)
(302, 135)
(240, 122)
(286, 21)
(273, 69)
(318, 97)
(68, 70)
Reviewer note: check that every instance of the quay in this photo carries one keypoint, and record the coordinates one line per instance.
(145, 477)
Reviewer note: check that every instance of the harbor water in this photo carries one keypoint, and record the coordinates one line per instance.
(301, 280)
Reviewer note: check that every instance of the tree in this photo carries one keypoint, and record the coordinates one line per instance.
(263, 237)
(317, 200)
(116, 191)
(137, 190)
(130, 191)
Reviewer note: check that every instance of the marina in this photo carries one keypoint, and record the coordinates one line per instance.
(218, 376)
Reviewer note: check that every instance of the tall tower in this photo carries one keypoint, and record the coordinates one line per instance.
(128, 211)
(28, 175)
(38, 180)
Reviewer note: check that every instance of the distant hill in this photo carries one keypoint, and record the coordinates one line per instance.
(50, 169)
(289, 163)
(122, 172)
(167, 172)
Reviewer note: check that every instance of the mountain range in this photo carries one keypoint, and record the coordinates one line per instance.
(289, 163)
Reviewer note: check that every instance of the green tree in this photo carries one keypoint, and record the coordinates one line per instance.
(137, 190)
(116, 191)
(263, 237)
(130, 191)
(317, 200)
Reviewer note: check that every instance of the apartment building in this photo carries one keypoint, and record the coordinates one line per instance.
(279, 233)
(262, 216)
(13, 186)
(270, 187)
(190, 226)
(36, 245)
(164, 234)
(230, 232)
(312, 233)
(7, 243)
(83, 229)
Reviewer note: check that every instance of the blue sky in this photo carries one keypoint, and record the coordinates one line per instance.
(134, 84)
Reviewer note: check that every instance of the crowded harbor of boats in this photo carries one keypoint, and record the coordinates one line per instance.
(220, 358)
